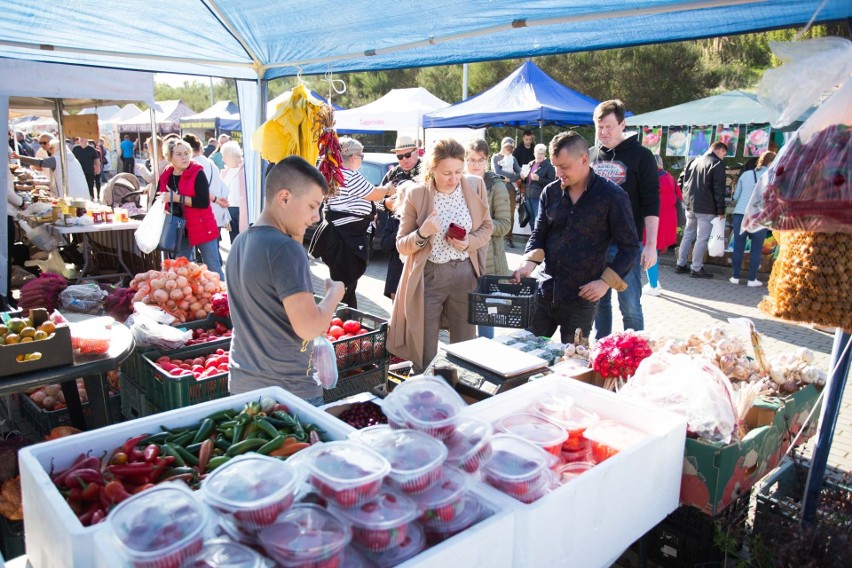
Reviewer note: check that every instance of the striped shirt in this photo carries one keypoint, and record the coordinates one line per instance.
(350, 198)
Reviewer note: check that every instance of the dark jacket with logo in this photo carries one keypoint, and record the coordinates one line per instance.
(703, 183)
(633, 167)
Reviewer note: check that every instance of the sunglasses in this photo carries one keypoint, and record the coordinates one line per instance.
(404, 156)
(43, 143)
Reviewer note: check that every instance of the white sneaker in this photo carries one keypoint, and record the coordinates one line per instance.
(733, 280)
(652, 291)
(755, 283)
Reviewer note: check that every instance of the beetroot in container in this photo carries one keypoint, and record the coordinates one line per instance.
(345, 472)
(569, 471)
(251, 490)
(161, 527)
(414, 543)
(416, 459)
(517, 467)
(429, 405)
(442, 503)
(470, 445)
(306, 536)
(222, 553)
(470, 514)
(382, 523)
(535, 429)
(562, 411)
(609, 437)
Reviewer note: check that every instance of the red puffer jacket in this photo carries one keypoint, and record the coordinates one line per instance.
(200, 223)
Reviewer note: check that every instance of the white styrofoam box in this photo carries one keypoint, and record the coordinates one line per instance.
(55, 537)
(592, 519)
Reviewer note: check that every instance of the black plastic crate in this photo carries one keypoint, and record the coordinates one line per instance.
(12, 543)
(46, 420)
(686, 538)
(362, 350)
(498, 302)
(356, 384)
(134, 403)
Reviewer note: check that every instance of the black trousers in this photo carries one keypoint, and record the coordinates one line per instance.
(127, 165)
(567, 315)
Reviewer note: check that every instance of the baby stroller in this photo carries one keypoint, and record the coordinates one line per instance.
(123, 189)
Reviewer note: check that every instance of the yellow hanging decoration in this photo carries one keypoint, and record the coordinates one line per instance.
(292, 130)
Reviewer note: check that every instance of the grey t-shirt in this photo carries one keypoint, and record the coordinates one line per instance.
(264, 267)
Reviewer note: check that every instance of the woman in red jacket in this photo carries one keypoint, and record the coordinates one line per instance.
(667, 233)
(191, 200)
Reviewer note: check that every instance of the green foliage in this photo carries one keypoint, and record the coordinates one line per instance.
(196, 94)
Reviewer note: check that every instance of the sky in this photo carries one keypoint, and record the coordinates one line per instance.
(178, 80)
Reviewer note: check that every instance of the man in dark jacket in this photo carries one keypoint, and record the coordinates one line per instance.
(625, 162)
(703, 183)
(87, 156)
(581, 214)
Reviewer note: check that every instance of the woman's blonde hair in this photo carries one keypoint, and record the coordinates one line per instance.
(442, 150)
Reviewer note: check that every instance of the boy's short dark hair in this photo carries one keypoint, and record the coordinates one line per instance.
(528, 132)
(719, 146)
(570, 141)
(614, 106)
(294, 174)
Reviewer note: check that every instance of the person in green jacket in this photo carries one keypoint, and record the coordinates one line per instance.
(476, 165)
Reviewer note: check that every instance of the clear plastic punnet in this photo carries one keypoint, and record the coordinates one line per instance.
(517, 467)
(536, 429)
(428, 404)
(609, 437)
(442, 503)
(251, 490)
(414, 543)
(306, 536)
(471, 512)
(161, 527)
(345, 472)
(223, 553)
(470, 445)
(574, 419)
(571, 470)
(416, 459)
(370, 434)
(381, 523)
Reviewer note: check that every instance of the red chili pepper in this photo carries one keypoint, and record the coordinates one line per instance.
(142, 488)
(136, 456)
(86, 518)
(92, 492)
(131, 443)
(99, 516)
(134, 469)
(57, 475)
(82, 477)
(115, 492)
(85, 463)
(151, 453)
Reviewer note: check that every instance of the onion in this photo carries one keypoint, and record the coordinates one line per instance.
(171, 275)
(195, 306)
(186, 291)
(208, 307)
(184, 305)
(200, 314)
(157, 284)
(176, 294)
(182, 281)
(171, 304)
(160, 296)
(152, 274)
(182, 271)
(133, 283)
(171, 285)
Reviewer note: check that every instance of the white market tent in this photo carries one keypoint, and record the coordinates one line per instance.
(167, 118)
(399, 110)
(210, 118)
(733, 107)
(104, 113)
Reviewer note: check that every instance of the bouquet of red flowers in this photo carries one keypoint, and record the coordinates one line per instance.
(617, 356)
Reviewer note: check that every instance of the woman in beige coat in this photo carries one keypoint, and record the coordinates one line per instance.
(439, 271)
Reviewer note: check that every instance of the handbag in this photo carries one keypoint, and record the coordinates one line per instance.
(174, 228)
(148, 234)
(523, 212)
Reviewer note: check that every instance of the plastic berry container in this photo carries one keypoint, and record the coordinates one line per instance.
(429, 405)
(562, 411)
(346, 473)
(582, 455)
(517, 467)
(535, 429)
(470, 445)
(370, 434)
(381, 523)
(569, 471)
(416, 459)
(470, 515)
(306, 536)
(351, 558)
(160, 528)
(222, 553)
(442, 503)
(609, 437)
(252, 490)
(395, 419)
(414, 543)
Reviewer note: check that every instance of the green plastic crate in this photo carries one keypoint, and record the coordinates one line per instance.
(166, 392)
(134, 403)
(46, 420)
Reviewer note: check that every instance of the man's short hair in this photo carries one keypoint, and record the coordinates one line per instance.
(193, 141)
(614, 106)
(294, 174)
(571, 141)
(528, 132)
(719, 146)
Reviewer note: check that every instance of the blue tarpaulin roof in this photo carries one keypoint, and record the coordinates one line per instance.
(527, 96)
(247, 39)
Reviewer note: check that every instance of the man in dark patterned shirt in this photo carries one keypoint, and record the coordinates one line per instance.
(579, 216)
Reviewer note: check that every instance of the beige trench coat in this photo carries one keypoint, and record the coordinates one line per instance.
(405, 331)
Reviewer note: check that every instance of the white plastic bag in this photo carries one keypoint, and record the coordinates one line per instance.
(41, 237)
(324, 363)
(149, 333)
(149, 231)
(83, 298)
(691, 387)
(716, 244)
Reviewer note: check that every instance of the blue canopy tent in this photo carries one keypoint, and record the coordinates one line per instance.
(527, 96)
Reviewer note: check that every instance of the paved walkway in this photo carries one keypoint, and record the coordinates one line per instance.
(686, 306)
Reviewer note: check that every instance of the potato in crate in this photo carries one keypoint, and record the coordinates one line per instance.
(499, 302)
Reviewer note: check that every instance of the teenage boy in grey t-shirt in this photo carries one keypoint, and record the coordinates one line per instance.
(270, 294)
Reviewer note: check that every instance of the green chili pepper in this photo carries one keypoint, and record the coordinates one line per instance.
(267, 428)
(222, 443)
(222, 415)
(216, 462)
(204, 431)
(186, 455)
(171, 450)
(273, 444)
(156, 438)
(245, 446)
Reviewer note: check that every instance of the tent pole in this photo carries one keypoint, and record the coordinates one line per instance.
(464, 80)
(155, 152)
(541, 131)
(63, 159)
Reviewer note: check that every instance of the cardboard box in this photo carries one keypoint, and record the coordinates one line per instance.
(55, 538)
(592, 519)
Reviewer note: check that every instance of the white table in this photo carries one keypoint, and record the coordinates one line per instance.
(85, 231)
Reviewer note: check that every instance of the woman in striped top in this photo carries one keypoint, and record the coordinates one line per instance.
(343, 240)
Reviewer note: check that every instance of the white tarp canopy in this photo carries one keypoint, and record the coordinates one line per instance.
(129, 110)
(104, 112)
(399, 110)
(167, 117)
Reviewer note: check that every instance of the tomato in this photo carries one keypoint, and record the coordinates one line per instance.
(362, 331)
(337, 321)
(351, 326)
(336, 331)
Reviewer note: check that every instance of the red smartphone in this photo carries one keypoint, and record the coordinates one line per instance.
(456, 232)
